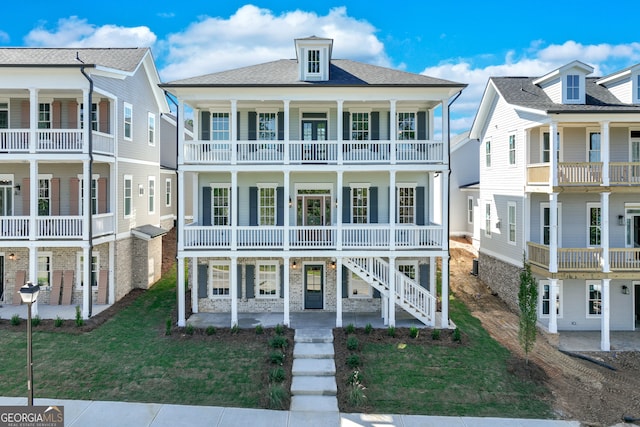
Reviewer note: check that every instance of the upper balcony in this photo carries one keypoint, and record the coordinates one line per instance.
(585, 260)
(15, 141)
(584, 174)
(68, 227)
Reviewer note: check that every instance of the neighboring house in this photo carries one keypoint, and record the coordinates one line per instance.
(560, 183)
(73, 120)
(313, 188)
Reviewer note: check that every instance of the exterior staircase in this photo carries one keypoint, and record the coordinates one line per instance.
(409, 295)
(313, 385)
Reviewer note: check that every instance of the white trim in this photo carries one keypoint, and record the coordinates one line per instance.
(271, 186)
(126, 106)
(586, 299)
(126, 178)
(151, 192)
(470, 211)
(168, 191)
(559, 297)
(589, 131)
(45, 254)
(80, 265)
(151, 138)
(138, 161)
(515, 222)
(501, 257)
(210, 265)
(515, 149)
(487, 220)
(589, 206)
(259, 263)
(544, 205)
(323, 264)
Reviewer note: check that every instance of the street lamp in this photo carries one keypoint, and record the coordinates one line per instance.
(29, 295)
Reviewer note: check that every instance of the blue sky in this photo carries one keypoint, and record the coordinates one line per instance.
(463, 41)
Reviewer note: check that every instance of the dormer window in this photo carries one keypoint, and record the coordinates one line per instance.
(314, 55)
(573, 87)
(313, 61)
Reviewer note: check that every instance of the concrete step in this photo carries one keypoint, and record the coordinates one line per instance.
(315, 367)
(303, 350)
(313, 386)
(314, 403)
(313, 335)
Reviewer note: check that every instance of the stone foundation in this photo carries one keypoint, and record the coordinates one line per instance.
(503, 278)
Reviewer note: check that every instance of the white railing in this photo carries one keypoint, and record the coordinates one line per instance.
(102, 224)
(260, 237)
(624, 173)
(312, 237)
(585, 173)
(103, 143)
(260, 152)
(624, 259)
(366, 152)
(419, 236)
(59, 140)
(207, 237)
(14, 140)
(363, 236)
(59, 227)
(371, 269)
(313, 151)
(415, 296)
(14, 227)
(419, 151)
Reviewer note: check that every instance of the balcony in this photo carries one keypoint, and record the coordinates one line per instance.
(54, 227)
(585, 173)
(54, 141)
(310, 152)
(584, 259)
(356, 237)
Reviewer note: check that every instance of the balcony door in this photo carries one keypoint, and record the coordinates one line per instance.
(314, 130)
(6, 197)
(313, 286)
(314, 210)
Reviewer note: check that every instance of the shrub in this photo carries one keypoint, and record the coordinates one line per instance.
(354, 378)
(259, 329)
(278, 341)
(356, 395)
(352, 343)
(277, 375)
(277, 357)
(350, 328)
(210, 330)
(235, 329)
(15, 320)
(189, 330)
(391, 331)
(435, 334)
(413, 332)
(277, 395)
(167, 327)
(368, 329)
(353, 361)
(456, 335)
(35, 321)
(58, 322)
(279, 329)
(79, 319)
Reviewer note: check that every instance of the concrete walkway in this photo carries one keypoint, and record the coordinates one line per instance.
(81, 413)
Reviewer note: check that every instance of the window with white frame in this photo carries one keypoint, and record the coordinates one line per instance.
(512, 149)
(44, 196)
(595, 220)
(360, 126)
(313, 61)
(469, 209)
(44, 268)
(94, 116)
(95, 268)
(44, 116)
(128, 121)
(94, 194)
(358, 287)
(152, 194)
(594, 147)
(127, 194)
(511, 218)
(547, 147)
(406, 205)
(545, 223)
(219, 284)
(4, 115)
(267, 127)
(360, 204)
(267, 204)
(594, 298)
(487, 219)
(544, 298)
(220, 126)
(573, 87)
(167, 192)
(409, 269)
(220, 205)
(407, 126)
(151, 129)
(267, 279)
(487, 154)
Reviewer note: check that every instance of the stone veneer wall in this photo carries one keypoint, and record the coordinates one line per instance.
(147, 258)
(503, 278)
(124, 267)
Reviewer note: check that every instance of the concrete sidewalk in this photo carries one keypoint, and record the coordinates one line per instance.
(82, 413)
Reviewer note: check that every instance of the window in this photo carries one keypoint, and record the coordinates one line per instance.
(360, 205)
(544, 302)
(406, 205)
(94, 194)
(268, 279)
(593, 215)
(44, 268)
(487, 146)
(218, 279)
(594, 147)
(6, 197)
(128, 192)
(95, 268)
(220, 208)
(44, 196)
(512, 149)
(44, 116)
(547, 147)
(151, 129)
(267, 205)
(94, 116)
(594, 298)
(573, 87)
(128, 121)
(152, 194)
(409, 269)
(4, 115)
(167, 192)
(469, 209)
(358, 288)
(512, 222)
(313, 61)
(545, 223)
(360, 126)
(267, 130)
(220, 130)
(487, 219)
(406, 126)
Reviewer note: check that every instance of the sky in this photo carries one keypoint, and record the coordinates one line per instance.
(463, 41)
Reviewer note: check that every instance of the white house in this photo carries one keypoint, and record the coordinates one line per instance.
(559, 184)
(53, 232)
(313, 188)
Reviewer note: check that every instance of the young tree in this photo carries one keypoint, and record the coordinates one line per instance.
(528, 303)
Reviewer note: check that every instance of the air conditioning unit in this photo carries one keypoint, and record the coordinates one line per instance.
(474, 268)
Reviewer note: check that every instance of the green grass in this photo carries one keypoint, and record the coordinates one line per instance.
(129, 358)
(462, 380)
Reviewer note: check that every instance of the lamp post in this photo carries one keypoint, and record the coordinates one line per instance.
(29, 295)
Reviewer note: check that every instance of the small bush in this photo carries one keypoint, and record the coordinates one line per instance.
(456, 335)
(352, 343)
(189, 330)
(391, 331)
(277, 375)
(79, 319)
(277, 396)
(277, 357)
(167, 326)
(35, 321)
(368, 329)
(278, 341)
(279, 329)
(353, 361)
(259, 329)
(15, 320)
(435, 334)
(211, 330)
(356, 395)
(354, 378)
(58, 322)
(235, 329)
(413, 332)
(350, 328)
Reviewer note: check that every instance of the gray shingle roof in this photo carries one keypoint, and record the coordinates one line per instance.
(284, 72)
(522, 92)
(124, 59)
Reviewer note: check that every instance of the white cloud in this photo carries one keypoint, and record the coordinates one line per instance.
(4, 37)
(76, 32)
(255, 35)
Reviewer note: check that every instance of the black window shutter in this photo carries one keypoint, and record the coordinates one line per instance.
(250, 273)
(253, 205)
(424, 275)
(373, 205)
(375, 125)
(389, 124)
(252, 126)
(281, 126)
(205, 125)
(206, 205)
(346, 205)
(420, 219)
(202, 281)
(345, 282)
(422, 125)
(346, 126)
(280, 206)
(239, 279)
(281, 281)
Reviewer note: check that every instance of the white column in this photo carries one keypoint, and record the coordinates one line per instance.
(393, 131)
(445, 132)
(604, 231)
(181, 293)
(233, 280)
(605, 151)
(338, 292)
(341, 125)
(445, 209)
(33, 119)
(433, 289)
(194, 285)
(554, 143)
(339, 202)
(392, 291)
(234, 210)
(553, 314)
(180, 132)
(553, 232)
(287, 149)
(33, 200)
(234, 131)
(86, 278)
(86, 200)
(445, 292)
(86, 124)
(197, 134)
(526, 229)
(286, 290)
(195, 198)
(181, 209)
(287, 209)
(392, 209)
(605, 344)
